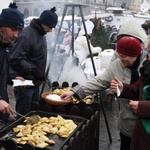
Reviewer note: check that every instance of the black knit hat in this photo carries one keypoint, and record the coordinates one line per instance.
(11, 17)
(49, 18)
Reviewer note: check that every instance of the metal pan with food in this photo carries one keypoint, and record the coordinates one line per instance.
(51, 131)
(53, 97)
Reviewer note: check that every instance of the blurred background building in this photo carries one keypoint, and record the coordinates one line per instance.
(35, 7)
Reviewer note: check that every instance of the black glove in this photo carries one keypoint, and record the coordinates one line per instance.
(38, 74)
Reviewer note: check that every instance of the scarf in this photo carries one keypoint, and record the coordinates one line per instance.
(134, 71)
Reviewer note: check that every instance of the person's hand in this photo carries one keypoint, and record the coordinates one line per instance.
(20, 78)
(134, 105)
(67, 95)
(5, 108)
(114, 83)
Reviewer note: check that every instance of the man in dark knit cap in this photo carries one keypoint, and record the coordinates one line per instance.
(28, 58)
(11, 22)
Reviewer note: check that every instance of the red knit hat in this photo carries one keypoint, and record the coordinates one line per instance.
(129, 46)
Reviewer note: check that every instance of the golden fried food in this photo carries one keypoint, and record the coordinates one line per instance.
(87, 99)
(37, 133)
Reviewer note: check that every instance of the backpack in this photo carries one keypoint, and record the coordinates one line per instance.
(146, 96)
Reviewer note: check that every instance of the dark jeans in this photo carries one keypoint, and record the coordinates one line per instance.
(125, 142)
(25, 97)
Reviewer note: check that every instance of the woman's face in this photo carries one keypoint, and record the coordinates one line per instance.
(127, 61)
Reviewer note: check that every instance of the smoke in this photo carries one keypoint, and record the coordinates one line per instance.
(64, 69)
(60, 60)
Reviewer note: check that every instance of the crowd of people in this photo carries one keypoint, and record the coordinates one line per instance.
(24, 55)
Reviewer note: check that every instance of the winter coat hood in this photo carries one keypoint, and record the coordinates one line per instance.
(81, 32)
(133, 28)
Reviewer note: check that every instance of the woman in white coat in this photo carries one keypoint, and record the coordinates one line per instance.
(81, 49)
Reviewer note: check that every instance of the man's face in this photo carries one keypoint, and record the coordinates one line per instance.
(127, 61)
(8, 34)
(47, 29)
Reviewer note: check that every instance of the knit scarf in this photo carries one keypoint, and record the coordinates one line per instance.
(134, 71)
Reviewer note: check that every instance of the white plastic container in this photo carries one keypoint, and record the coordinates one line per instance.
(89, 67)
(106, 56)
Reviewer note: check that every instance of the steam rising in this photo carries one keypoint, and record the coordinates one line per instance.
(63, 69)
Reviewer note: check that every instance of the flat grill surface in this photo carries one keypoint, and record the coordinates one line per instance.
(8, 133)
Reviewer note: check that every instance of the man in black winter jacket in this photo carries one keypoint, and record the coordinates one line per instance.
(11, 21)
(28, 58)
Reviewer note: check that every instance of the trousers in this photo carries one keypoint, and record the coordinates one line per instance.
(125, 142)
(25, 97)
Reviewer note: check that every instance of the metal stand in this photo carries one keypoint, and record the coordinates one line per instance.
(73, 6)
(81, 12)
(105, 117)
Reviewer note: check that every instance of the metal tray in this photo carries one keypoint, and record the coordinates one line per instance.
(7, 133)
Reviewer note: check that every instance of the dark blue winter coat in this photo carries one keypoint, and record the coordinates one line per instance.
(29, 53)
